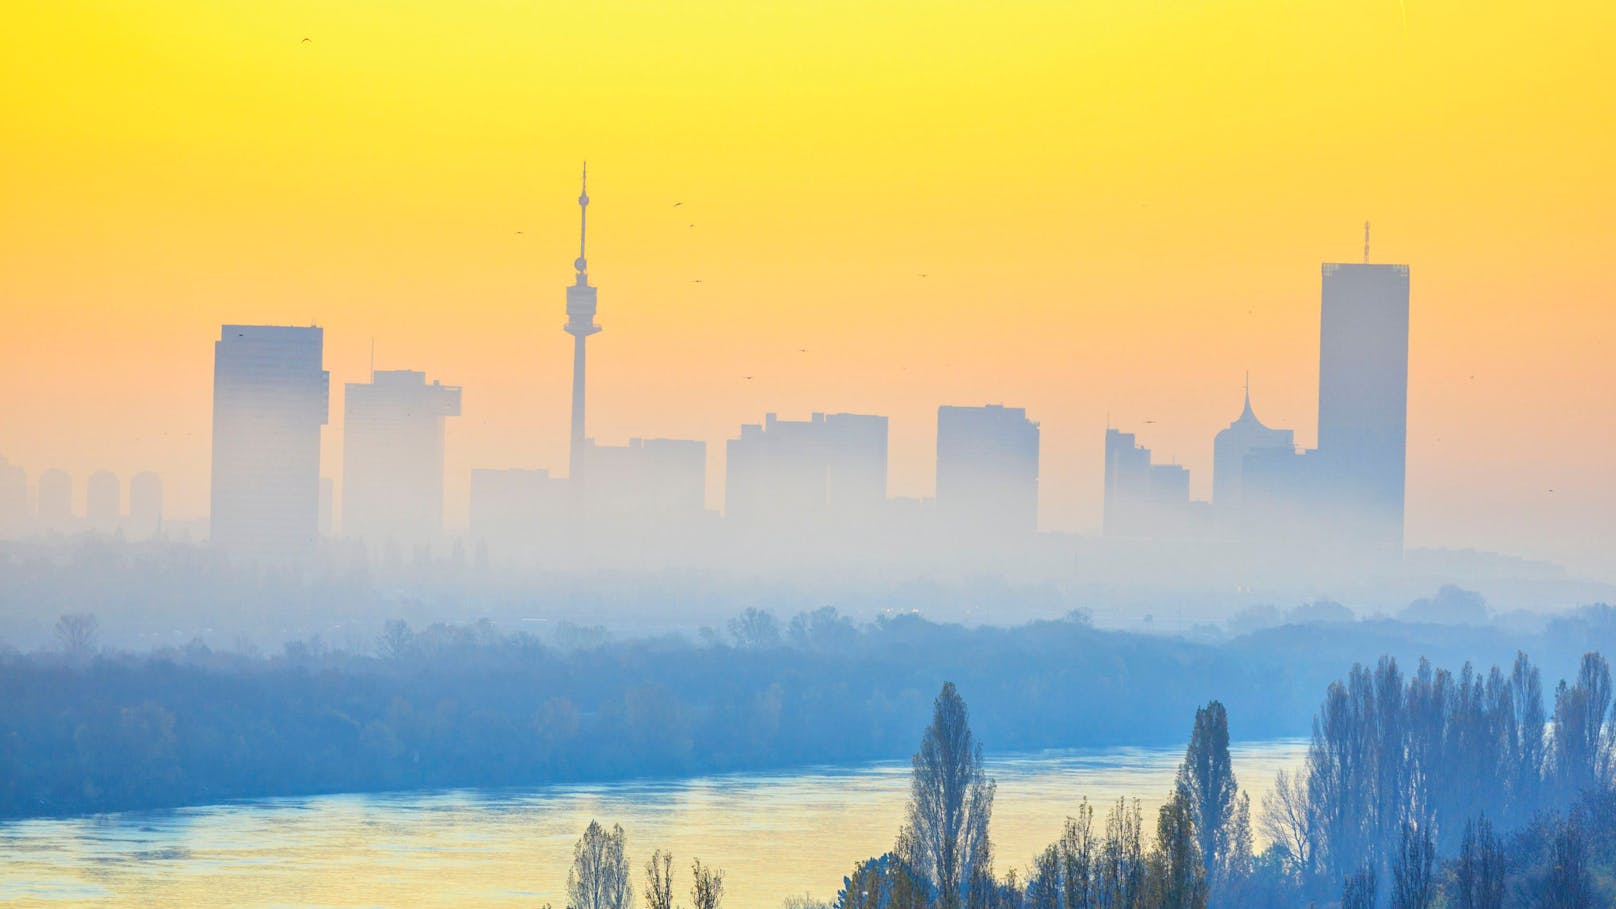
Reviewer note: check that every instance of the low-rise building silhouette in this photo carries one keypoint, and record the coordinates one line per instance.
(103, 502)
(145, 506)
(987, 470)
(392, 457)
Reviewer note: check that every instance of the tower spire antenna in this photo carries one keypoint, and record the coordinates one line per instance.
(582, 265)
(1366, 243)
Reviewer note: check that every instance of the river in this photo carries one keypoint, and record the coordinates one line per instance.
(774, 834)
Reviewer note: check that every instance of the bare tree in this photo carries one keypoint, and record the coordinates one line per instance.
(950, 803)
(1579, 721)
(1079, 859)
(659, 881)
(1177, 868)
(1358, 890)
(755, 629)
(396, 640)
(1287, 821)
(1120, 882)
(76, 632)
(599, 878)
(1413, 886)
(707, 886)
(1526, 697)
(1478, 875)
(1044, 880)
(1569, 884)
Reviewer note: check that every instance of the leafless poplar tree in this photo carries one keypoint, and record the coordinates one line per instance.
(599, 878)
(707, 886)
(659, 881)
(950, 803)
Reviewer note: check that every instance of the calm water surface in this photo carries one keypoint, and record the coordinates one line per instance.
(774, 834)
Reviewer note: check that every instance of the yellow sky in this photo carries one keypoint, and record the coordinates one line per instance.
(1119, 208)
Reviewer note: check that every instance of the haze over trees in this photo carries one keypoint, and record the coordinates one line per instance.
(1367, 822)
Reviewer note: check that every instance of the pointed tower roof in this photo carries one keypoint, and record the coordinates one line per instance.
(1246, 413)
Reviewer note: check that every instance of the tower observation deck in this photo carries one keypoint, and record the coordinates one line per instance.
(580, 324)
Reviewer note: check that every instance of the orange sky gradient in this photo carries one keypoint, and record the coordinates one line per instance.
(1118, 209)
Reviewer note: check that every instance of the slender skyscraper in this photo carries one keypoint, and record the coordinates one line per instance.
(270, 398)
(1363, 398)
(580, 324)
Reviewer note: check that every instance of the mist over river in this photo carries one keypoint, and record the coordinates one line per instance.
(774, 834)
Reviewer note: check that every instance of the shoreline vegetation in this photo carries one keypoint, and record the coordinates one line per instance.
(85, 729)
(1426, 791)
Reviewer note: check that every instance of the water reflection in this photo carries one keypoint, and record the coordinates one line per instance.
(774, 834)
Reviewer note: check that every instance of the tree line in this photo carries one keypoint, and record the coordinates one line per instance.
(86, 728)
(1433, 790)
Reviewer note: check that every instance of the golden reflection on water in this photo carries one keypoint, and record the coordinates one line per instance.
(774, 834)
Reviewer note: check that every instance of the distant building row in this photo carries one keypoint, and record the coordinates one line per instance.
(1347, 491)
(271, 398)
(49, 508)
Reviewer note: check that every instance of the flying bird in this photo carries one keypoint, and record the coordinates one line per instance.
(1150, 421)
(923, 276)
(677, 204)
(802, 350)
(308, 40)
(695, 280)
(749, 378)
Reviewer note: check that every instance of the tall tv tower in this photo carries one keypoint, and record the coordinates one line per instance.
(580, 324)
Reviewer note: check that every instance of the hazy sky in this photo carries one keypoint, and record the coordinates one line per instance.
(1117, 208)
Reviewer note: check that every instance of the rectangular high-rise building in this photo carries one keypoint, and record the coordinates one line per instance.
(831, 467)
(647, 481)
(1363, 400)
(987, 469)
(1127, 484)
(1145, 500)
(270, 397)
(392, 457)
(517, 509)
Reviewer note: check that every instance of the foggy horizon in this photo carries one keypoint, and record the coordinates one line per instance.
(1133, 281)
(808, 455)
(1065, 503)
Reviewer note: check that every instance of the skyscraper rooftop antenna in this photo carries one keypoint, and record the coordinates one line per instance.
(1366, 243)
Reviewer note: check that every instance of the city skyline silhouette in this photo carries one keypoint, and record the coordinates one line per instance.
(1097, 234)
